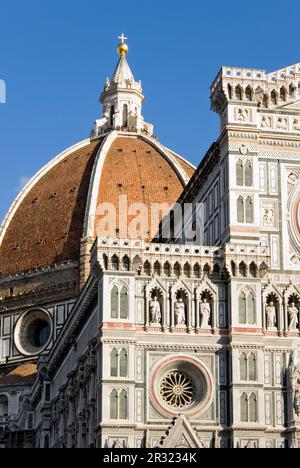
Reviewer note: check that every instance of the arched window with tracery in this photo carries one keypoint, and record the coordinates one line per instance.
(240, 173)
(123, 405)
(244, 408)
(119, 303)
(114, 302)
(248, 174)
(114, 363)
(243, 367)
(253, 408)
(252, 368)
(124, 303)
(114, 400)
(242, 308)
(251, 309)
(249, 210)
(124, 363)
(240, 210)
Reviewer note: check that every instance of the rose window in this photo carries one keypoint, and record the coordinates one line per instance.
(177, 390)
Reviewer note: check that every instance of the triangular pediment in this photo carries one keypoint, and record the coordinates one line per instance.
(180, 435)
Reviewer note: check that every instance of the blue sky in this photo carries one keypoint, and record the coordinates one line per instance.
(55, 56)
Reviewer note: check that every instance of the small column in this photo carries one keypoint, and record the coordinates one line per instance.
(189, 315)
(147, 312)
(164, 322)
(172, 314)
(197, 312)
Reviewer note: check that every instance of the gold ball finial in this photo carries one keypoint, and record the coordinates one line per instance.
(123, 47)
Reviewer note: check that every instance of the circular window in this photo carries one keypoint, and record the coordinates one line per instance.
(177, 390)
(181, 384)
(33, 332)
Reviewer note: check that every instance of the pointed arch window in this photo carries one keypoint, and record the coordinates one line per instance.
(177, 270)
(114, 363)
(196, 270)
(238, 93)
(187, 270)
(125, 116)
(114, 302)
(283, 94)
(147, 268)
(240, 173)
(119, 405)
(253, 408)
(248, 368)
(247, 308)
(125, 263)
(167, 269)
(114, 401)
(119, 303)
(243, 367)
(157, 268)
(124, 363)
(240, 210)
(124, 303)
(115, 263)
(249, 210)
(242, 308)
(248, 94)
(123, 405)
(248, 174)
(112, 113)
(252, 368)
(244, 408)
(119, 363)
(251, 309)
(274, 98)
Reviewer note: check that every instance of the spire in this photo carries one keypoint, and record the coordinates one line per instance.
(122, 99)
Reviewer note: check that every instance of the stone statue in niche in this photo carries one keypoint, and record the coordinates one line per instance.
(205, 313)
(293, 314)
(271, 315)
(294, 377)
(155, 311)
(180, 318)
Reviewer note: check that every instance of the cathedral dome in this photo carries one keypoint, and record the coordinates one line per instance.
(58, 207)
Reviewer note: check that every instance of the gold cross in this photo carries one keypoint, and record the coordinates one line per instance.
(123, 38)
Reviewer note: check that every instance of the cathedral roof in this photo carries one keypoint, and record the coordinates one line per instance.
(58, 206)
(21, 375)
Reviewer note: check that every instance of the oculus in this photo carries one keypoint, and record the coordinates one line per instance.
(33, 332)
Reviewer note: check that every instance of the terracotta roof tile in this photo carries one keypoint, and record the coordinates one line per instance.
(21, 375)
(47, 227)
